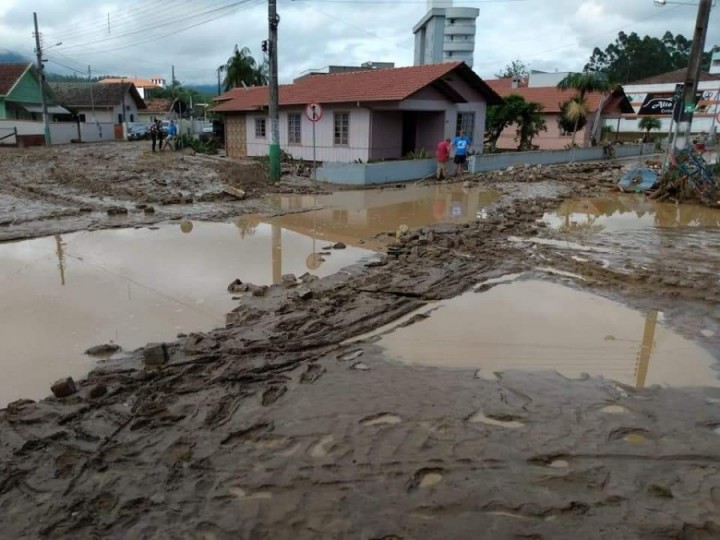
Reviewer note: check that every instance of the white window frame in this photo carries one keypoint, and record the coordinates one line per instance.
(260, 128)
(338, 141)
(462, 123)
(294, 130)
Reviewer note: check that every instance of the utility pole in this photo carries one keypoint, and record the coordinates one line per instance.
(92, 98)
(274, 150)
(219, 69)
(693, 75)
(41, 76)
(173, 76)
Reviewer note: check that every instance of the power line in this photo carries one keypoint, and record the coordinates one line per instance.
(168, 23)
(132, 20)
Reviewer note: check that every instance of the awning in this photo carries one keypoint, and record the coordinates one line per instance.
(52, 109)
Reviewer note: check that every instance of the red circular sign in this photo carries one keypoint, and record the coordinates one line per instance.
(314, 112)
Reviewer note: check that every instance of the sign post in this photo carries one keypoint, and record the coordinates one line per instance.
(314, 113)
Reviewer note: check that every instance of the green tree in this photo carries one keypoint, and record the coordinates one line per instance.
(514, 110)
(517, 69)
(647, 124)
(501, 116)
(631, 58)
(583, 83)
(242, 69)
(530, 122)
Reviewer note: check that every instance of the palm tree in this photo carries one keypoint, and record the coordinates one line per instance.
(583, 83)
(647, 124)
(241, 69)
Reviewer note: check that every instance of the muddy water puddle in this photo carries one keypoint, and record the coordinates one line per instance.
(627, 213)
(537, 325)
(359, 215)
(63, 294)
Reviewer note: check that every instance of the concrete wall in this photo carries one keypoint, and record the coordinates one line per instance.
(494, 162)
(386, 172)
(358, 147)
(62, 132)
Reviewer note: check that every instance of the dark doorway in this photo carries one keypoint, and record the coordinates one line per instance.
(409, 132)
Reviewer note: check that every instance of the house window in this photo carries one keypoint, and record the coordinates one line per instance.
(132, 118)
(120, 118)
(294, 128)
(466, 123)
(341, 129)
(260, 131)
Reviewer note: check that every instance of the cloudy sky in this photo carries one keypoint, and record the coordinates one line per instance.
(147, 37)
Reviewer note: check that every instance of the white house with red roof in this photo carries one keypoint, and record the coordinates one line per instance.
(367, 115)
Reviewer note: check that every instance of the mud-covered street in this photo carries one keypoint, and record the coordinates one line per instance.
(528, 354)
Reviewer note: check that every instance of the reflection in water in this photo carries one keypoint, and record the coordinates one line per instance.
(624, 212)
(247, 225)
(646, 347)
(532, 325)
(129, 286)
(351, 216)
(61, 257)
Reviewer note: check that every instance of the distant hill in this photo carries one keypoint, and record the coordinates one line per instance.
(204, 88)
(12, 57)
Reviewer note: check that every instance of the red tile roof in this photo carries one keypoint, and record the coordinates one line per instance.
(371, 85)
(9, 74)
(549, 97)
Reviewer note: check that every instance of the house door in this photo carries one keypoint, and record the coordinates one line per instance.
(409, 132)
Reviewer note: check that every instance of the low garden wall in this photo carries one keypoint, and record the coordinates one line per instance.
(388, 172)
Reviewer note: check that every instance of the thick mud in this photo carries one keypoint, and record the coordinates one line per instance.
(292, 421)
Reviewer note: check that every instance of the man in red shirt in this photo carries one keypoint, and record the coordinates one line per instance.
(442, 153)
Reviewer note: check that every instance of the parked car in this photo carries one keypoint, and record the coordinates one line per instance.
(138, 133)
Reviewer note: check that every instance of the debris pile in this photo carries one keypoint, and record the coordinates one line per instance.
(688, 177)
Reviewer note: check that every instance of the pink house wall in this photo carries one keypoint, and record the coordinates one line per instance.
(551, 139)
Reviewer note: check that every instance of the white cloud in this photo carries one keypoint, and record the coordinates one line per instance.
(147, 38)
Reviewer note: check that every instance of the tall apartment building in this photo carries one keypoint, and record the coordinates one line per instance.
(445, 34)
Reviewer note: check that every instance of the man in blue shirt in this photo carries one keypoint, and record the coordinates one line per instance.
(461, 143)
(171, 135)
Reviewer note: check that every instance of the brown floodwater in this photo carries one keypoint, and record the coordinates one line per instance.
(63, 294)
(359, 215)
(623, 212)
(538, 325)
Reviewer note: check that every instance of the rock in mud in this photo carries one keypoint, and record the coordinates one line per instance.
(64, 387)
(288, 281)
(97, 391)
(235, 192)
(308, 278)
(339, 245)
(149, 209)
(102, 350)
(303, 293)
(237, 286)
(258, 290)
(156, 354)
(117, 211)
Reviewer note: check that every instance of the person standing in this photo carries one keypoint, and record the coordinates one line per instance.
(442, 154)
(153, 134)
(461, 143)
(171, 134)
(161, 133)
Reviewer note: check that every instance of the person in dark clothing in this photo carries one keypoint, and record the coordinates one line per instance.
(161, 133)
(153, 134)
